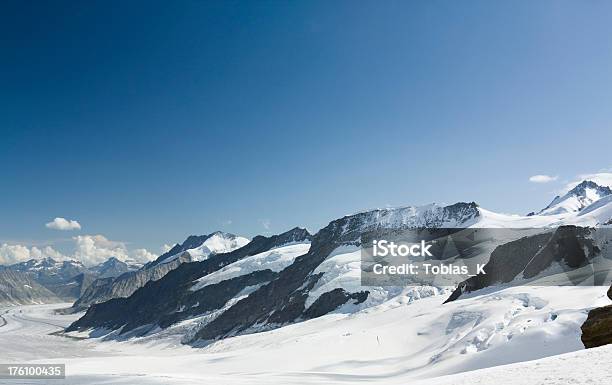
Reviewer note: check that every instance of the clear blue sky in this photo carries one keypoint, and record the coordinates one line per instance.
(148, 121)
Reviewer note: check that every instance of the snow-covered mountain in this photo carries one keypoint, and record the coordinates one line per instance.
(274, 298)
(48, 266)
(560, 256)
(112, 267)
(201, 247)
(64, 278)
(194, 248)
(175, 300)
(579, 197)
(259, 295)
(249, 305)
(67, 279)
(275, 286)
(20, 288)
(217, 243)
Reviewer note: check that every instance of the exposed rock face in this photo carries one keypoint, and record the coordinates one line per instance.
(261, 299)
(75, 287)
(195, 247)
(330, 301)
(283, 300)
(17, 288)
(597, 329)
(111, 268)
(569, 246)
(104, 289)
(68, 279)
(170, 299)
(60, 277)
(191, 242)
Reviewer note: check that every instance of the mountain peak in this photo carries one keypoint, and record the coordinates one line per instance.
(200, 247)
(112, 261)
(579, 197)
(349, 229)
(47, 261)
(222, 234)
(112, 267)
(582, 187)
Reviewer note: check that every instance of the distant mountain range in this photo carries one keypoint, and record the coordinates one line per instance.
(236, 293)
(20, 288)
(218, 285)
(66, 280)
(194, 248)
(70, 280)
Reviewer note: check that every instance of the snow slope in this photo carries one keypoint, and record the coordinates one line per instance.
(342, 269)
(217, 243)
(396, 336)
(580, 367)
(403, 340)
(275, 259)
(579, 197)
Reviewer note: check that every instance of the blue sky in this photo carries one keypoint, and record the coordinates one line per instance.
(149, 121)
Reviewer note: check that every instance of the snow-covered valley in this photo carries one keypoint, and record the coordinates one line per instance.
(409, 337)
(293, 308)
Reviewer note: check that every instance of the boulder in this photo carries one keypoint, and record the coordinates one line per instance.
(597, 329)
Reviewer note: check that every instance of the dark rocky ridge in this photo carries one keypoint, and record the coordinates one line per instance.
(126, 284)
(527, 257)
(277, 298)
(58, 277)
(68, 279)
(112, 267)
(283, 300)
(330, 301)
(75, 287)
(191, 242)
(169, 300)
(20, 288)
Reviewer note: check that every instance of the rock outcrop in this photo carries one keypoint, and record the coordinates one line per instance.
(104, 289)
(597, 329)
(170, 299)
(567, 248)
(18, 288)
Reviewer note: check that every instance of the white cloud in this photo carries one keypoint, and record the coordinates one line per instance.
(95, 249)
(601, 178)
(63, 224)
(542, 178)
(142, 255)
(89, 249)
(46, 252)
(10, 254)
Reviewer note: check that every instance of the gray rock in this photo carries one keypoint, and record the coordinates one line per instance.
(527, 258)
(104, 289)
(597, 329)
(18, 288)
(170, 299)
